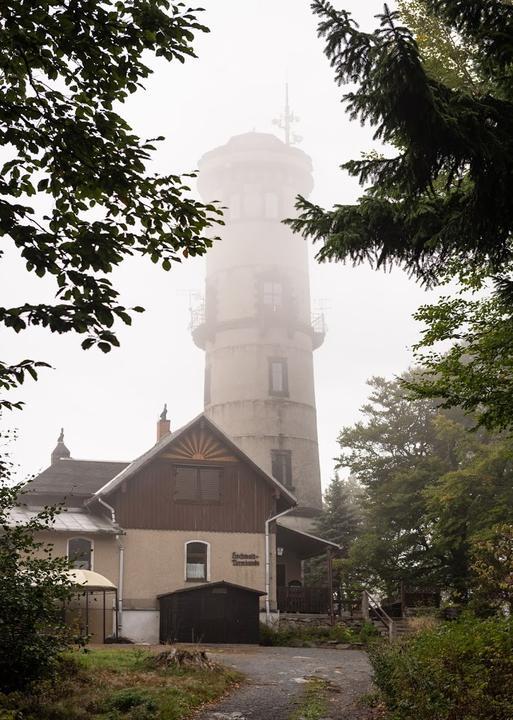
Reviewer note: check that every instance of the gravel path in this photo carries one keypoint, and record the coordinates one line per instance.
(276, 678)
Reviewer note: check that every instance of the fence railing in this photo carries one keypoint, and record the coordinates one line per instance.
(303, 599)
(372, 608)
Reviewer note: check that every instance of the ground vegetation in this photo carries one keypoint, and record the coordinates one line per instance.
(113, 684)
(461, 670)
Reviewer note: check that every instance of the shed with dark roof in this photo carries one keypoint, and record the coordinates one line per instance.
(217, 612)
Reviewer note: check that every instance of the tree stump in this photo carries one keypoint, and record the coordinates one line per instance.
(183, 659)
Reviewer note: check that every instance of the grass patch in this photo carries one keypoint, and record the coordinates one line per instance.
(289, 636)
(113, 684)
(313, 703)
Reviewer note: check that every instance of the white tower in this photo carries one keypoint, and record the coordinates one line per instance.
(257, 329)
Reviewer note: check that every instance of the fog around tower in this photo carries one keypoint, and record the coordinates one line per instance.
(108, 405)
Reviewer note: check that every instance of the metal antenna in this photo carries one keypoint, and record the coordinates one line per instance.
(287, 120)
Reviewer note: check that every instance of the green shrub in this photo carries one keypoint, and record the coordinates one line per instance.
(368, 632)
(461, 670)
(128, 698)
(34, 587)
(289, 636)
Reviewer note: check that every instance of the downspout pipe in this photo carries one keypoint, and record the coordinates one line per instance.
(121, 561)
(120, 583)
(268, 561)
(106, 505)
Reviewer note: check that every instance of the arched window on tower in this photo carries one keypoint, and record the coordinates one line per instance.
(197, 561)
(80, 553)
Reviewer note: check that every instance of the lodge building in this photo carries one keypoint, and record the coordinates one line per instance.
(192, 511)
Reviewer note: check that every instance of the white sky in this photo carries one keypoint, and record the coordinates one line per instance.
(109, 405)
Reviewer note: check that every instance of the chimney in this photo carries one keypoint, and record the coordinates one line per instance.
(60, 451)
(163, 425)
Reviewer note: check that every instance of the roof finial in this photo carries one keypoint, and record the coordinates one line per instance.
(163, 414)
(286, 121)
(60, 451)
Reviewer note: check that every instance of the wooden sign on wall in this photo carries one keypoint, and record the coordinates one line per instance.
(245, 559)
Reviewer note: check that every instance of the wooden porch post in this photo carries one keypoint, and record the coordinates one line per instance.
(330, 585)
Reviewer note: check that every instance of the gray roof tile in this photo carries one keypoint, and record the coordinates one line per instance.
(74, 477)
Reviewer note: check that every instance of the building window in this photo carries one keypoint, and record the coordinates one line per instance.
(197, 484)
(281, 466)
(273, 295)
(278, 377)
(206, 387)
(80, 553)
(196, 561)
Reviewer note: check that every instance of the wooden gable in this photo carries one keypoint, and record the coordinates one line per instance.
(153, 499)
(199, 444)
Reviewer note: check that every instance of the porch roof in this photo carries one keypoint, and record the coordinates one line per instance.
(304, 544)
(68, 520)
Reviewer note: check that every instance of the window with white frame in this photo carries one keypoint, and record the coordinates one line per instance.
(196, 561)
(278, 377)
(80, 553)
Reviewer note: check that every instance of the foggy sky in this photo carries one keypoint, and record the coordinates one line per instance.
(109, 405)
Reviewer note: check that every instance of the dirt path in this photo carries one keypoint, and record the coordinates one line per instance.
(277, 679)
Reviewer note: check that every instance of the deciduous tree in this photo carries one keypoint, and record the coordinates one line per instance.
(67, 67)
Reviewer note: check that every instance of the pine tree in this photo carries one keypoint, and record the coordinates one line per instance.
(341, 516)
(446, 194)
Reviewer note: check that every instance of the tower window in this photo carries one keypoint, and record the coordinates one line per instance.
(197, 484)
(80, 552)
(273, 294)
(278, 377)
(281, 466)
(196, 561)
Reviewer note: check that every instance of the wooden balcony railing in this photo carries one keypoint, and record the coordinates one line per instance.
(303, 599)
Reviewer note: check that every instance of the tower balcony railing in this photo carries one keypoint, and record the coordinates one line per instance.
(198, 324)
(319, 328)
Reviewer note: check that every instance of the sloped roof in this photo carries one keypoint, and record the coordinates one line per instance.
(204, 586)
(146, 457)
(74, 477)
(305, 544)
(72, 520)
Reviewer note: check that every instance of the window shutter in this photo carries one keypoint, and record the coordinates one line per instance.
(210, 485)
(186, 483)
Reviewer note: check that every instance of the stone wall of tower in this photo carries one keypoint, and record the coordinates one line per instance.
(257, 308)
